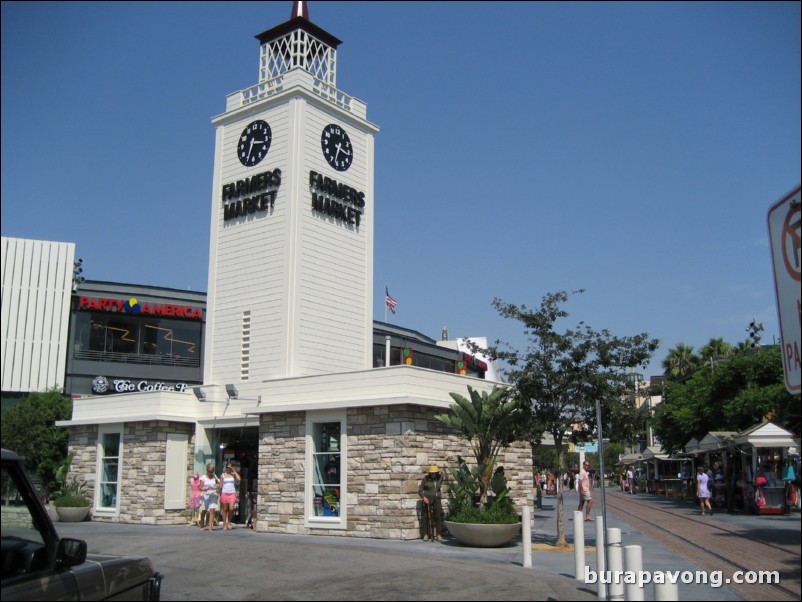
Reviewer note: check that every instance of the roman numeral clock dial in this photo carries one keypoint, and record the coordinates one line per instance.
(254, 142)
(336, 147)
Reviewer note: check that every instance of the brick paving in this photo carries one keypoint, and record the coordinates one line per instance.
(722, 542)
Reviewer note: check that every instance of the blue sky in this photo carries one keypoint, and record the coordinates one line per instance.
(630, 149)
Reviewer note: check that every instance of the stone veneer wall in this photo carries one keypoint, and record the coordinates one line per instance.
(389, 449)
(141, 490)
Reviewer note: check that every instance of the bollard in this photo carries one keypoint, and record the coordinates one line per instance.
(666, 592)
(601, 586)
(527, 537)
(579, 545)
(615, 587)
(633, 564)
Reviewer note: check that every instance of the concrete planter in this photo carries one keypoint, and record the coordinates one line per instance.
(72, 515)
(52, 512)
(482, 536)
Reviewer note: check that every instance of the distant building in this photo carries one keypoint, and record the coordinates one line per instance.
(37, 280)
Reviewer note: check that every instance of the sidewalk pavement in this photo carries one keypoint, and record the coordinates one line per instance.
(244, 565)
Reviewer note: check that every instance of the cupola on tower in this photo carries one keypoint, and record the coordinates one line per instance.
(291, 254)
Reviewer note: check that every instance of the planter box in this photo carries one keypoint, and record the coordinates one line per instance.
(482, 536)
(72, 515)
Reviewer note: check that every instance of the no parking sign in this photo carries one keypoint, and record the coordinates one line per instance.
(784, 220)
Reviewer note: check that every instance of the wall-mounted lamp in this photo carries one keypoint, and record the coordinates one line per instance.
(199, 393)
(234, 394)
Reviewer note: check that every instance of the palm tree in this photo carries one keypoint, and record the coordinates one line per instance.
(680, 361)
(716, 349)
(488, 422)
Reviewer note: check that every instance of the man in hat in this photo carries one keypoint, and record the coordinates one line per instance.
(429, 492)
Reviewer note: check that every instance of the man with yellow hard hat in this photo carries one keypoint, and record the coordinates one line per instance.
(429, 492)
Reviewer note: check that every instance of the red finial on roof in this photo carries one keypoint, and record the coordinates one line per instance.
(300, 9)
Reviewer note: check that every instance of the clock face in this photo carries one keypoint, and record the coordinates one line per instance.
(336, 147)
(254, 143)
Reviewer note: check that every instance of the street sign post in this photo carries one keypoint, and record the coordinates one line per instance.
(784, 221)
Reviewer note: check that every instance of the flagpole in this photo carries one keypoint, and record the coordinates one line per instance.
(385, 303)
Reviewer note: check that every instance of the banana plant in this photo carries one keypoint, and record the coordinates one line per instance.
(488, 422)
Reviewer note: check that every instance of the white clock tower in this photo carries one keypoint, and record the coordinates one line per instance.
(291, 258)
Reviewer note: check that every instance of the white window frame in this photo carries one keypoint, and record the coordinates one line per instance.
(108, 429)
(326, 522)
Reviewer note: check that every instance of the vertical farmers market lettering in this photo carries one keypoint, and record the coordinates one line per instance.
(336, 199)
(259, 191)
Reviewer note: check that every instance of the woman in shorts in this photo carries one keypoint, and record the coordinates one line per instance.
(228, 498)
(209, 485)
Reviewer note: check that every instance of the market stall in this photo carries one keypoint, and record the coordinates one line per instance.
(666, 475)
(768, 477)
(713, 451)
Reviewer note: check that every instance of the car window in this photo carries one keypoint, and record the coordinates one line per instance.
(17, 520)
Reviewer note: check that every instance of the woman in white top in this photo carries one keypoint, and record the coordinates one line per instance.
(209, 486)
(229, 494)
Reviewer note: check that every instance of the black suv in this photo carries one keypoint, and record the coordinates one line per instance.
(39, 565)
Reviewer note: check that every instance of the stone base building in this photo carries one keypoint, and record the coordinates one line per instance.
(136, 463)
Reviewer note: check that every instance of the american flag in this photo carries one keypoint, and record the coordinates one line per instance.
(391, 303)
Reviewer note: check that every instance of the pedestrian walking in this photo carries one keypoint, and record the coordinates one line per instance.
(703, 490)
(584, 490)
(631, 478)
(209, 498)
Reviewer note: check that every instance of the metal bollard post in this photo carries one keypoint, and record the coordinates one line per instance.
(633, 564)
(615, 588)
(527, 537)
(666, 592)
(601, 586)
(579, 546)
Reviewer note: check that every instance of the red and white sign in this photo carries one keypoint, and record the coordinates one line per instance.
(784, 220)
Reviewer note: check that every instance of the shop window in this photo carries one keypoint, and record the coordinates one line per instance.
(109, 464)
(325, 437)
(136, 339)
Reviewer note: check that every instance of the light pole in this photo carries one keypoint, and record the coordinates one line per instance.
(603, 530)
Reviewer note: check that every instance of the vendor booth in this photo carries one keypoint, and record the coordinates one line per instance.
(769, 473)
(714, 451)
(666, 475)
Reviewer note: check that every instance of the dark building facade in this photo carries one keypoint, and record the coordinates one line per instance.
(125, 338)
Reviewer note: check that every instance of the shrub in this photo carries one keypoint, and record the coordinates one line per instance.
(464, 504)
(71, 491)
(71, 501)
(499, 511)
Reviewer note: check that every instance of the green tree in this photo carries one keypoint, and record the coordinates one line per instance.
(730, 396)
(488, 422)
(28, 428)
(560, 376)
(716, 349)
(680, 361)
